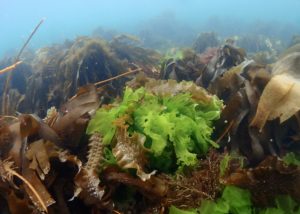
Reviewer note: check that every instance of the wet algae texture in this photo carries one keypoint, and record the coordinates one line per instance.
(95, 126)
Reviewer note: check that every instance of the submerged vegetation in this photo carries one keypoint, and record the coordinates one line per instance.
(168, 119)
(97, 126)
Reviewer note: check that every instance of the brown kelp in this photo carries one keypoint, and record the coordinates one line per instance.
(30, 144)
(214, 131)
(57, 71)
(187, 65)
(242, 100)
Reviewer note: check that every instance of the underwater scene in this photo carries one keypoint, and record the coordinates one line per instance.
(150, 107)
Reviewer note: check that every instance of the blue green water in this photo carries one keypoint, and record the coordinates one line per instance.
(66, 19)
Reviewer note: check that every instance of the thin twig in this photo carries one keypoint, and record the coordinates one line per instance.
(225, 132)
(117, 77)
(8, 78)
(194, 190)
(11, 171)
(28, 40)
(10, 68)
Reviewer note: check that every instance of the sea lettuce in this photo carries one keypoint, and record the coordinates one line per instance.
(177, 127)
(284, 205)
(103, 121)
(292, 158)
(175, 210)
(235, 200)
(224, 164)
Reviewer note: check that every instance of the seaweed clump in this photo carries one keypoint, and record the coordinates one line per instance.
(35, 150)
(185, 65)
(132, 138)
(54, 73)
(60, 70)
(162, 146)
(202, 68)
(128, 48)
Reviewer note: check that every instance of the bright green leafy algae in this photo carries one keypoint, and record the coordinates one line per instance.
(284, 205)
(224, 164)
(174, 210)
(292, 159)
(235, 200)
(177, 127)
(108, 158)
(104, 118)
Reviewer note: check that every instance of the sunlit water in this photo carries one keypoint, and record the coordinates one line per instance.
(71, 18)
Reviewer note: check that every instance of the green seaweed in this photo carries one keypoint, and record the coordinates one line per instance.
(175, 210)
(178, 124)
(235, 200)
(292, 158)
(224, 164)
